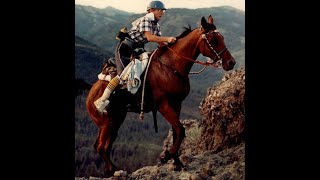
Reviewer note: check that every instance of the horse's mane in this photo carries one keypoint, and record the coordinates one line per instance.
(186, 31)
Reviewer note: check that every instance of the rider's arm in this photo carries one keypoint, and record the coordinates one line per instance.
(159, 39)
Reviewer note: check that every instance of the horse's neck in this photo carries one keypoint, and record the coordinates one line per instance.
(187, 48)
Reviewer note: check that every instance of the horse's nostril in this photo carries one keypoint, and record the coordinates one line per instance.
(232, 63)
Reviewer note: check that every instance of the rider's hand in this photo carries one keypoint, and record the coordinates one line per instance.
(171, 39)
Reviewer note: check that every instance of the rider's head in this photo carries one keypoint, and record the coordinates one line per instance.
(158, 9)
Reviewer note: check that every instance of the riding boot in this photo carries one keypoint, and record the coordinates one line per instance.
(102, 102)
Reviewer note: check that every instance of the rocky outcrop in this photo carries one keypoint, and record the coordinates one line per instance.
(226, 164)
(223, 112)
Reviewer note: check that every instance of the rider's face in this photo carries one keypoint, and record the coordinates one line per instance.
(158, 13)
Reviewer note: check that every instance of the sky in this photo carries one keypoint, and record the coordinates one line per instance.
(139, 6)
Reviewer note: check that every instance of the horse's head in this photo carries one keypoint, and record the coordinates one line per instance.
(212, 44)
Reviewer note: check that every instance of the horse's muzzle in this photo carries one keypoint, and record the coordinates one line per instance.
(229, 65)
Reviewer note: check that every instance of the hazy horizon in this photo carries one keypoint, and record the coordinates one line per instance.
(139, 6)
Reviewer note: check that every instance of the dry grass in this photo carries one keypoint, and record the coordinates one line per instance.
(194, 133)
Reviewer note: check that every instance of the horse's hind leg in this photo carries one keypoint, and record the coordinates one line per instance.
(107, 136)
(171, 114)
(103, 148)
(97, 142)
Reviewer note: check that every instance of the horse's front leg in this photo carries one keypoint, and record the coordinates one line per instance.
(171, 113)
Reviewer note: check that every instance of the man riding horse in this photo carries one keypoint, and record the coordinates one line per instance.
(145, 29)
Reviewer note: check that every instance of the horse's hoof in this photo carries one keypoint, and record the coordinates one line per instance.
(177, 168)
(108, 174)
(163, 160)
(178, 165)
(164, 156)
(120, 173)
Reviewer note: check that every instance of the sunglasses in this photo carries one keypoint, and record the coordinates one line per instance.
(161, 10)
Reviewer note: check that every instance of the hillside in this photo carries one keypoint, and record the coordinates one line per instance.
(88, 59)
(214, 147)
(100, 26)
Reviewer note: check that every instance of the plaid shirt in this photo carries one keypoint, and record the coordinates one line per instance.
(145, 23)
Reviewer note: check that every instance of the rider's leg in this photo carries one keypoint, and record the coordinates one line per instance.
(103, 101)
(139, 68)
(144, 59)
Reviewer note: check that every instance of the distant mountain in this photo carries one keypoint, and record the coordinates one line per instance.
(99, 25)
(102, 25)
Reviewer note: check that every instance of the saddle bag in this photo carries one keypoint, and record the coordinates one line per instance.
(122, 34)
(129, 42)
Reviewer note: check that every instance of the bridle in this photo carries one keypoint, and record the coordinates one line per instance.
(204, 36)
(216, 62)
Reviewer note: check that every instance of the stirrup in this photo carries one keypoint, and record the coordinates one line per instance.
(135, 82)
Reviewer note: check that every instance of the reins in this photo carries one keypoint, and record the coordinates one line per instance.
(184, 57)
(205, 64)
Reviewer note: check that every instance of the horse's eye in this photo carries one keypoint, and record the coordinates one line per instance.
(214, 41)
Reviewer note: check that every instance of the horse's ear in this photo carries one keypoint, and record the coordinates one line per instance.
(210, 20)
(204, 22)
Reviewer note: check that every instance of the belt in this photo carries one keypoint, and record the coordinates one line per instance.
(132, 44)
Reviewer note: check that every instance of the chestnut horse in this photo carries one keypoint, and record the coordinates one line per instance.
(167, 85)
